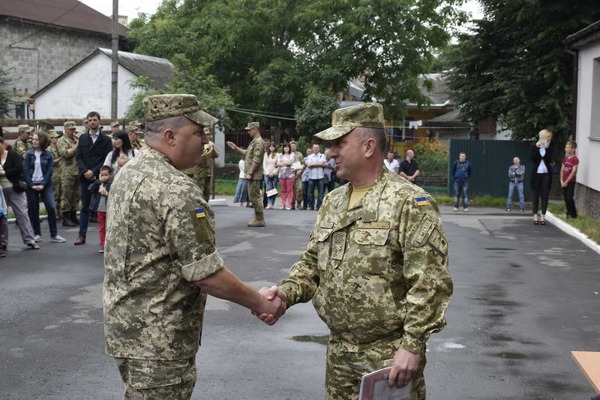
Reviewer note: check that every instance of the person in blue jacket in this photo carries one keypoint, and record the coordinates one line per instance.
(461, 171)
(38, 167)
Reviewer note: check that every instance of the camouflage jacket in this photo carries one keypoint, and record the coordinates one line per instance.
(53, 148)
(159, 240)
(137, 144)
(255, 153)
(378, 269)
(21, 147)
(204, 168)
(68, 161)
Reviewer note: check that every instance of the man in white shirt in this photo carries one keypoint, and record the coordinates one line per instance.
(315, 164)
(391, 163)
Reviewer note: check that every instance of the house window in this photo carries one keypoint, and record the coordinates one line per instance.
(595, 101)
(20, 110)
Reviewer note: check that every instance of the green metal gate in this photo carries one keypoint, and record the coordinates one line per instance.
(490, 160)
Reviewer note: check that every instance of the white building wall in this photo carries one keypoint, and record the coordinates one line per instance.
(36, 54)
(86, 88)
(588, 117)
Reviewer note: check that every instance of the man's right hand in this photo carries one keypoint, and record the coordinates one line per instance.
(272, 294)
(273, 307)
(89, 174)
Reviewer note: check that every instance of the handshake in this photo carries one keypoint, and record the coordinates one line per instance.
(273, 303)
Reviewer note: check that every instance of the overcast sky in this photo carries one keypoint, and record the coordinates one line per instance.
(131, 8)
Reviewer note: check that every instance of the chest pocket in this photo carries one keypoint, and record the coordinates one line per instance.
(371, 233)
(323, 245)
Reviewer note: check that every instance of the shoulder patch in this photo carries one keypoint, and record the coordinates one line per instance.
(421, 201)
(424, 231)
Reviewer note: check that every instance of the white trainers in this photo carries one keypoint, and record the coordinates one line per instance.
(37, 238)
(466, 209)
(455, 209)
(57, 239)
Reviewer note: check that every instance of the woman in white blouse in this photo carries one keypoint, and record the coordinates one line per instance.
(122, 152)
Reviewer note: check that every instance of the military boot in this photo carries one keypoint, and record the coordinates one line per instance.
(258, 221)
(68, 219)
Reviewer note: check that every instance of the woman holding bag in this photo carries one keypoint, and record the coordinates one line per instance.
(11, 175)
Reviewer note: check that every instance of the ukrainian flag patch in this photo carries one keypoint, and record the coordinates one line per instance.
(421, 201)
(200, 213)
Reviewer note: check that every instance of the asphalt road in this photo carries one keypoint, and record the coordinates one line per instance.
(525, 296)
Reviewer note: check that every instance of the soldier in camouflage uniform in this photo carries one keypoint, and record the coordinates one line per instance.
(254, 171)
(202, 173)
(376, 265)
(160, 257)
(23, 143)
(133, 131)
(67, 151)
(56, 187)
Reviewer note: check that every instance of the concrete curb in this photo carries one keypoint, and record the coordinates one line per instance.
(569, 230)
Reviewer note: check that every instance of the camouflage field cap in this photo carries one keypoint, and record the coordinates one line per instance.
(25, 128)
(252, 125)
(69, 125)
(52, 134)
(344, 120)
(115, 123)
(165, 106)
(132, 128)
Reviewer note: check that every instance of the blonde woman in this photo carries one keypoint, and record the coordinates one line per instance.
(541, 175)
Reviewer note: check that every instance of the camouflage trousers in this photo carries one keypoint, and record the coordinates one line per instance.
(157, 379)
(298, 192)
(69, 200)
(56, 187)
(346, 366)
(255, 196)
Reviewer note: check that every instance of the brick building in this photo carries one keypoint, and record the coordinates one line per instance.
(41, 39)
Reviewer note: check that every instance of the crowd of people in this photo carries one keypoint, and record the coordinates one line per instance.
(301, 181)
(66, 173)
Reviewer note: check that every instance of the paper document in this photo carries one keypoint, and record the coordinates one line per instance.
(374, 386)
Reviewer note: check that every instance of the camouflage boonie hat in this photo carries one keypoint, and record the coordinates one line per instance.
(69, 125)
(165, 106)
(25, 128)
(252, 125)
(344, 120)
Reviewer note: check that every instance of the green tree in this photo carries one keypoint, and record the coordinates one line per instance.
(267, 52)
(514, 66)
(315, 113)
(5, 95)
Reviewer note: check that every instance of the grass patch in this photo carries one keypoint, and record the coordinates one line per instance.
(225, 187)
(582, 223)
(482, 201)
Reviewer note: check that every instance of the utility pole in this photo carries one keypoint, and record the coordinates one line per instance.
(115, 61)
